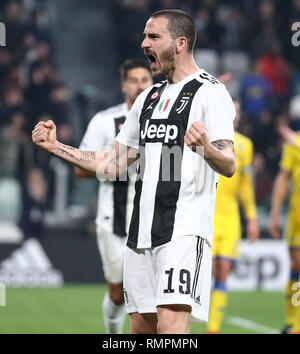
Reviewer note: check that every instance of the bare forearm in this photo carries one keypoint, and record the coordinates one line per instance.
(106, 164)
(84, 174)
(86, 160)
(221, 158)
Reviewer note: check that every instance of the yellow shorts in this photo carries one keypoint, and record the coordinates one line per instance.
(227, 235)
(293, 230)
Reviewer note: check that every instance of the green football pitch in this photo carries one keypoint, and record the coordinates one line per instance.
(77, 309)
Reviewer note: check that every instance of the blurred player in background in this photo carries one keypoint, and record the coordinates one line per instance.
(227, 222)
(289, 172)
(115, 200)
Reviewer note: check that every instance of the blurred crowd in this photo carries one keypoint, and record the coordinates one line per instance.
(250, 39)
(31, 90)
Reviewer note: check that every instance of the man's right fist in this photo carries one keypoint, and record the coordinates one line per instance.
(44, 136)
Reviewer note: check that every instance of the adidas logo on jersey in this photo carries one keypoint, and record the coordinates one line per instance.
(158, 131)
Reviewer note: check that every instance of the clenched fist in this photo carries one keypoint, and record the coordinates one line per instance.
(196, 136)
(44, 136)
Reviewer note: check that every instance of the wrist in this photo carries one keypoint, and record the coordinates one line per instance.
(54, 148)
(208, 150)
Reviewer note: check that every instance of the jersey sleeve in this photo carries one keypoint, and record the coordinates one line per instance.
(246, 190)
(130, 132)
(287, 158)
(94, 138)
(219, 113)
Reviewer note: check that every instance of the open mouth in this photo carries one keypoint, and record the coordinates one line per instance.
(152, 60)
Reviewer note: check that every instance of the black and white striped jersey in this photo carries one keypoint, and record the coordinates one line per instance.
(175, 188)
(115, 199)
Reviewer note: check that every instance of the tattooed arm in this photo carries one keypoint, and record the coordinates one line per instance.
(218, 154)
(106, 164)
(220, 157)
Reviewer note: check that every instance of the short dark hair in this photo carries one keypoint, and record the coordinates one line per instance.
(180, 25)
(132, 64)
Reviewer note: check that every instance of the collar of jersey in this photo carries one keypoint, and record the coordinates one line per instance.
(186, 79)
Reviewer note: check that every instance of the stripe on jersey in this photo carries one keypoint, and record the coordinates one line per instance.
(165, 194)
(149, 105)
(199, 256)
(120, 194)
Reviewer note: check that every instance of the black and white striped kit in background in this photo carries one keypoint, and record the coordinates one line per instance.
(115, 198)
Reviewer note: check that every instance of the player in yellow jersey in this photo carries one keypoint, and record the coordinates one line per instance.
(289, 172)
(227, 223)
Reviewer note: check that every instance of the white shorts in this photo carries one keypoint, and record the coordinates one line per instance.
(178, 272)
(111, 248)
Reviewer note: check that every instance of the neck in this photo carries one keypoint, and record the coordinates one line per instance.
(128, 103)
(184, 67)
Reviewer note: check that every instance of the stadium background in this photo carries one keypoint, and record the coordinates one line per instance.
(61, 62)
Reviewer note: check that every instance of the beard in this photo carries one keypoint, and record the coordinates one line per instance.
(167, 62)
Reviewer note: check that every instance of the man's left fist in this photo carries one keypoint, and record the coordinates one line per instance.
(196, 136)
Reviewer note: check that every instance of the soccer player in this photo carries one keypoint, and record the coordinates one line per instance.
(227, 223)
(289, 172)
(181, 132)
(115, 199)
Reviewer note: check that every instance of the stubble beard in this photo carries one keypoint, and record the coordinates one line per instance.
(167, 60)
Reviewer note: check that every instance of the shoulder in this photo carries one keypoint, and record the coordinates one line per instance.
(114, 111)
(212, 87)
(153, 89)
(290, 150)
(207, 79)
(148, 94)
(102, 117)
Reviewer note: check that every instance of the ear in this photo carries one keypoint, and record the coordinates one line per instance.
(181, 44)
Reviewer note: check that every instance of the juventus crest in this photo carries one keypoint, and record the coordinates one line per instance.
(184, 101)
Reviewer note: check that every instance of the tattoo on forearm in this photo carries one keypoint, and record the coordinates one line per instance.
(65, 153)
(67, 147)
(87, 156)
(61, 151)
(221, 144)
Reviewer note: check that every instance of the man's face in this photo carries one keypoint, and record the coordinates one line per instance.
(137, 80)
(159, 46)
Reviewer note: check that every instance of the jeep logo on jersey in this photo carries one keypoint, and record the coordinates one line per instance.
(156, 130)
